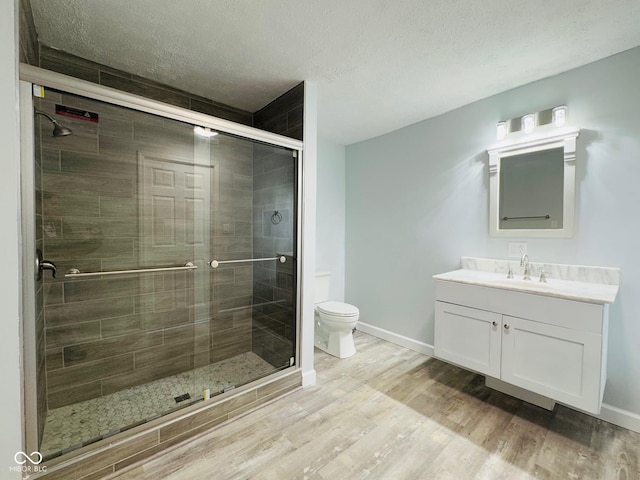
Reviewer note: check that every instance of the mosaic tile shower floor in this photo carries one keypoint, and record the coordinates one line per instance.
(72, 426)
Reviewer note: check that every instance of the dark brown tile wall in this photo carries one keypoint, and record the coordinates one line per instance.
(274, 220)
(63, 62)
(274, 176)
(284, 115)
(29, 48)
(274, 190)
(104, 334)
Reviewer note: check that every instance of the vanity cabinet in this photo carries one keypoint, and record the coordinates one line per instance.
(552, 347)
(469, 337)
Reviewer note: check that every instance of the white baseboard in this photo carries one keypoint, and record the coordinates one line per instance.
(608, 413)
(622, 418)
(308, 378)
(401, 340)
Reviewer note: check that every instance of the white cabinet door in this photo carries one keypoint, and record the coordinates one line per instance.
(468, 337)
(553, 361)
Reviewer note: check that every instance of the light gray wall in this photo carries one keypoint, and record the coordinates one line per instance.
(330, 227)
(417, 200)
(10, 401)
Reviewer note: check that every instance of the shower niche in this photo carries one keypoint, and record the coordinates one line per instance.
(132, 207)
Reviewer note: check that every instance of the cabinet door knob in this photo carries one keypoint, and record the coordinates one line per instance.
(506, 326)
(494, 323)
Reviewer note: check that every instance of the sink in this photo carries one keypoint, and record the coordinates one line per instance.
(567, 289)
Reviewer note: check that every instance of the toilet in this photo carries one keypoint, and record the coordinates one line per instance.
(334, 321)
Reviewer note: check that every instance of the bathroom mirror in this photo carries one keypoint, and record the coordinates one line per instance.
(532, 184)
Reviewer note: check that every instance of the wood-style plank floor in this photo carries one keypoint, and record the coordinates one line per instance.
(390, 413)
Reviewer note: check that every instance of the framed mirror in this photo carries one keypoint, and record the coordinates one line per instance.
(532, 184)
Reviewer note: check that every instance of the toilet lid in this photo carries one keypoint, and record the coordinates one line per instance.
(338, 308)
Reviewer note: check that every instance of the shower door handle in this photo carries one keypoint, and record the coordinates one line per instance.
(42, 264)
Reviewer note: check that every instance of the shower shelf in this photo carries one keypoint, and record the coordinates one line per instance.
(74, 272)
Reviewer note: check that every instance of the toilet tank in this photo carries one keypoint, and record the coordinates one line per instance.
(322, 286)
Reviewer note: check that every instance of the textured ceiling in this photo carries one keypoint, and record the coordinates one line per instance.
(378, 65)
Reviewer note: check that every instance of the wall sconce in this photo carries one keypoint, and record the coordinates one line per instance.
(528, 123)
(501, 130)
(559, 115)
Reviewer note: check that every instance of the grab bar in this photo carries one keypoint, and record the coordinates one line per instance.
(74, 272)
(215, 263)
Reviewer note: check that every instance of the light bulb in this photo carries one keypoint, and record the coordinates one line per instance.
(501, 130)
(559, 115)
(528, 123)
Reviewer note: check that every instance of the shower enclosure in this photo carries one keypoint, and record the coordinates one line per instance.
(167, 252)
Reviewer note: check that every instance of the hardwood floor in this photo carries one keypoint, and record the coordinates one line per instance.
(390, 413)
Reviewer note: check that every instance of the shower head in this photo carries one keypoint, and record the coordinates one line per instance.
(61, 131)
(58, 130)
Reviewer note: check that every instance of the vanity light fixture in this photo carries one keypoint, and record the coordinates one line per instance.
(528, 123)
(549, 118)
(204, 131)
(559, 115)
(501, 130)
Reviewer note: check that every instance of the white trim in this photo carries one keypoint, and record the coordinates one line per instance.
(398, 339)
(29, 318)
(308, 239)
(622, 418)
(534, 141)
(11, 403)
(308, 378)
(299, 264)
(94, 91)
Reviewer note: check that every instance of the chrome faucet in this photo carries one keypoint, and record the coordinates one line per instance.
(524, 262)
(543, 276)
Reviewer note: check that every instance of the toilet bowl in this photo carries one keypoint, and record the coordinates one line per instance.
(334, 321)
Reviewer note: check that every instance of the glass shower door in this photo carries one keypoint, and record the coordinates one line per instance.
(133, 208)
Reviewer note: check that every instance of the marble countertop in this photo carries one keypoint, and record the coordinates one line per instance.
(568, 289)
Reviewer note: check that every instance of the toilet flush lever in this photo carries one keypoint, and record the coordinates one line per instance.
(42, 264)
